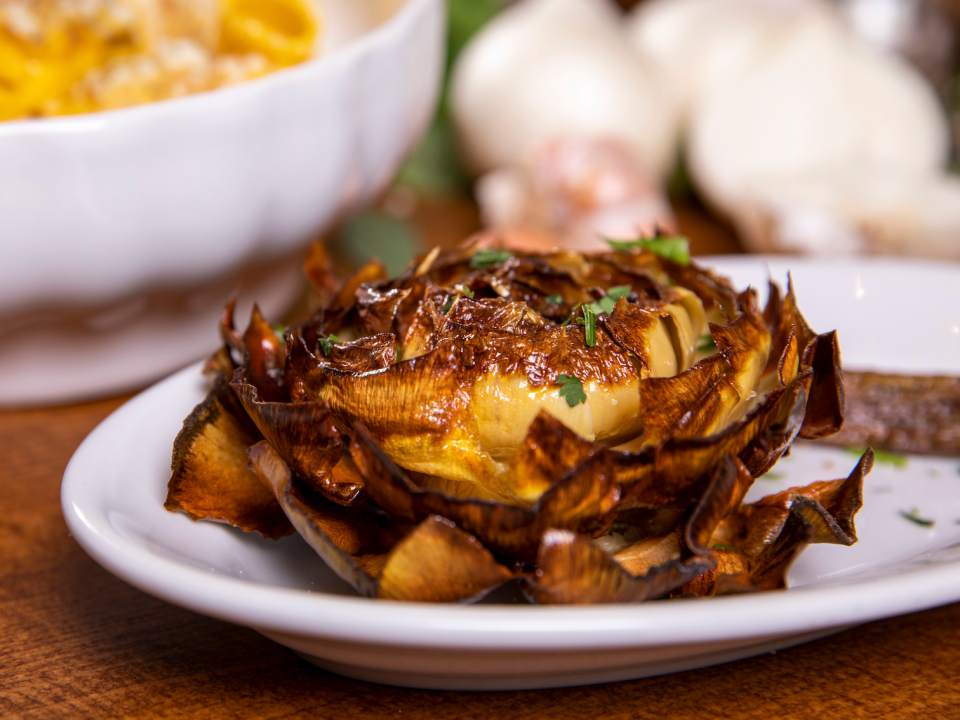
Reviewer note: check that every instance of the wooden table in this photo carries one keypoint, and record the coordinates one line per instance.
(77, 642)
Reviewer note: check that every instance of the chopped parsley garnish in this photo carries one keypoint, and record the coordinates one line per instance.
(672, 248)
(914, 517)
(771, 476)
(449, 304)
(488, 257)
(279, 329)
(466, 291)
(589, 326)
(327, 343)
(571, 390)
(706, 343)
(554, 299)
(607, 303)
(882, 456)
(724, 546)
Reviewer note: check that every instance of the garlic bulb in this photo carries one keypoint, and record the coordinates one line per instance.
(554, 69)
(821, 104)
(855, 212)
(702, 46)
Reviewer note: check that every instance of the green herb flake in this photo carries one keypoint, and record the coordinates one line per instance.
(676, 249)
(488, 257)
(914, 517)
(706, 343)
(466, 291)
(571, 390)
(449, 304)
(589, 326)
(554, 299)
(771, 476)
(279, 329)
(724, 546)
(619, 291)
(327, 343)
(881, 456)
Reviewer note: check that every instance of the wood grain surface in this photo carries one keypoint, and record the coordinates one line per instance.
(76, 642)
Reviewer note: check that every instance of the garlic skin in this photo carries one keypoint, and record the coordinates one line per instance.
(551, 69)
(821, 104)
(701, 47)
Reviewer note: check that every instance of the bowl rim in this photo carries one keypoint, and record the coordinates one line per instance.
(383, 33)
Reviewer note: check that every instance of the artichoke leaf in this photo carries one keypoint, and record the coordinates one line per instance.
(438, 562)
(320, 273)
(304, 435)
(210, 479)
(765, 537)
(381, 556)
(573, 570)
(377, 309)
(825, 405)
(264, 358)
(583, 500)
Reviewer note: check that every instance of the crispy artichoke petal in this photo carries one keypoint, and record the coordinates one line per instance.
(583, 500)
(438, 562)
(725, 493)
(825, 404)
(264, 358)
(320, 273)
(354, 542)
(549, 450)
(769, 534)
(303, 434)
(678, 468)
(377, 309)
(210, 479)
(573, 570)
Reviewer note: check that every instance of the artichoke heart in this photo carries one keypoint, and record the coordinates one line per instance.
(555, 419)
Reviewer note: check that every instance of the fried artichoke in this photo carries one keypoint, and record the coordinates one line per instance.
(588, 425)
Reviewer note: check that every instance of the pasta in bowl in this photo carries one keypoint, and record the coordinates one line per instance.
(61, 57)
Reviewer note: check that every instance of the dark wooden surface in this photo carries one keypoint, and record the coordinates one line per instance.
(77, 642)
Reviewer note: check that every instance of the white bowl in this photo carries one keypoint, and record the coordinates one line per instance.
(124, 232)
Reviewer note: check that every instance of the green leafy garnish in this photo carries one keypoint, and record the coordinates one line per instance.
(279, 329)
(881, 456)
(706, 343)
(724, 546)
(771, 476)
(914, 517)
(619, 291)
(488, 257)
(466, 291)
(327, 343)
(589, 326)
(554, 299)
(672, 248)
(607, 303)
(571, 390)
(449, 304)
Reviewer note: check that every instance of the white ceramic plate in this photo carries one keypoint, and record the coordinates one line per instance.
(890, 314)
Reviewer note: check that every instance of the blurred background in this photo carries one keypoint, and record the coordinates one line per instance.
(778, 126)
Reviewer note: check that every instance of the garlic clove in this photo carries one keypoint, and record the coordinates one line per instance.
(823, 103)
(547, 69)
